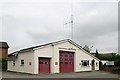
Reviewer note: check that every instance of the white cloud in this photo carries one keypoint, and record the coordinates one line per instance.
(48, 1)
(26, 24)
(107, 43)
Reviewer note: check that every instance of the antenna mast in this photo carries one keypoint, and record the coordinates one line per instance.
(71, 21)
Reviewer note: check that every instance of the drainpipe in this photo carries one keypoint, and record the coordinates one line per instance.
(52, 60)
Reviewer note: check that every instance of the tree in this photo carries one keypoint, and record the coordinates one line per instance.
(97, 52)
(3, 64)
(113, 56)
(117, 60)
(86, 48)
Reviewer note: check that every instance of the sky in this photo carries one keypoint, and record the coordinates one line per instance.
(34, 22)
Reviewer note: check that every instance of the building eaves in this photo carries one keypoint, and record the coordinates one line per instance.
(55, 43)
(32, 48)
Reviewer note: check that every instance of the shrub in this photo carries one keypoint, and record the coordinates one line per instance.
(3, 64)
(116, 71)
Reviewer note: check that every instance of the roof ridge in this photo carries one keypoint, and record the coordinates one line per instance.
(40, 45)
(72, 42)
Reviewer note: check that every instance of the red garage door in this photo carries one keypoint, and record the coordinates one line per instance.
(44, 65)
(66, 61)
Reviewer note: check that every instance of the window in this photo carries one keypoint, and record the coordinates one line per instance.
(61, 59)
(61, 55)
(14, 63)
(70, 59)
(70, 62)
(71, 55)
(46, 62)
(61, 62)
(66, 62)
(22, 62)
(66, 59)
(40, 62)
(66, 55)
(85, 62)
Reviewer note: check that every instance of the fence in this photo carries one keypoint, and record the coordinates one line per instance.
(114, 69)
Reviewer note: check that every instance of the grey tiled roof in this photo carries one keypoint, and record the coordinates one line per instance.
(4, 45)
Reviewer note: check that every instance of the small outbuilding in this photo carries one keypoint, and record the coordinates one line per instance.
(3, 50)
(56, 57)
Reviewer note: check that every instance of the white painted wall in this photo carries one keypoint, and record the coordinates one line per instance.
(80, 55)
(53, 53)
(56, 53)
(27, 57)
(43, 52)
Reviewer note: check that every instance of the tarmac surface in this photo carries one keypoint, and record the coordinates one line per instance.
(93, 74)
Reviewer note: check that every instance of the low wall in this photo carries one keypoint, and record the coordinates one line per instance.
(109, 68)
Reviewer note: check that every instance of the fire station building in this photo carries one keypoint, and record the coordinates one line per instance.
(56, 57)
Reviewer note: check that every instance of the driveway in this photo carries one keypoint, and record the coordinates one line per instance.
(93, 74)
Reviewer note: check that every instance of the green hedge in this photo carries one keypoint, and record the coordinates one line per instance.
(116, 71)
(3, 64)
(0, 64)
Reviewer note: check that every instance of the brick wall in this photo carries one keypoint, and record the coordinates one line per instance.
(3, 53)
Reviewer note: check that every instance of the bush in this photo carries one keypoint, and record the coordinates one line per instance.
(116, 71)
(0, 64)
(3, 64)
